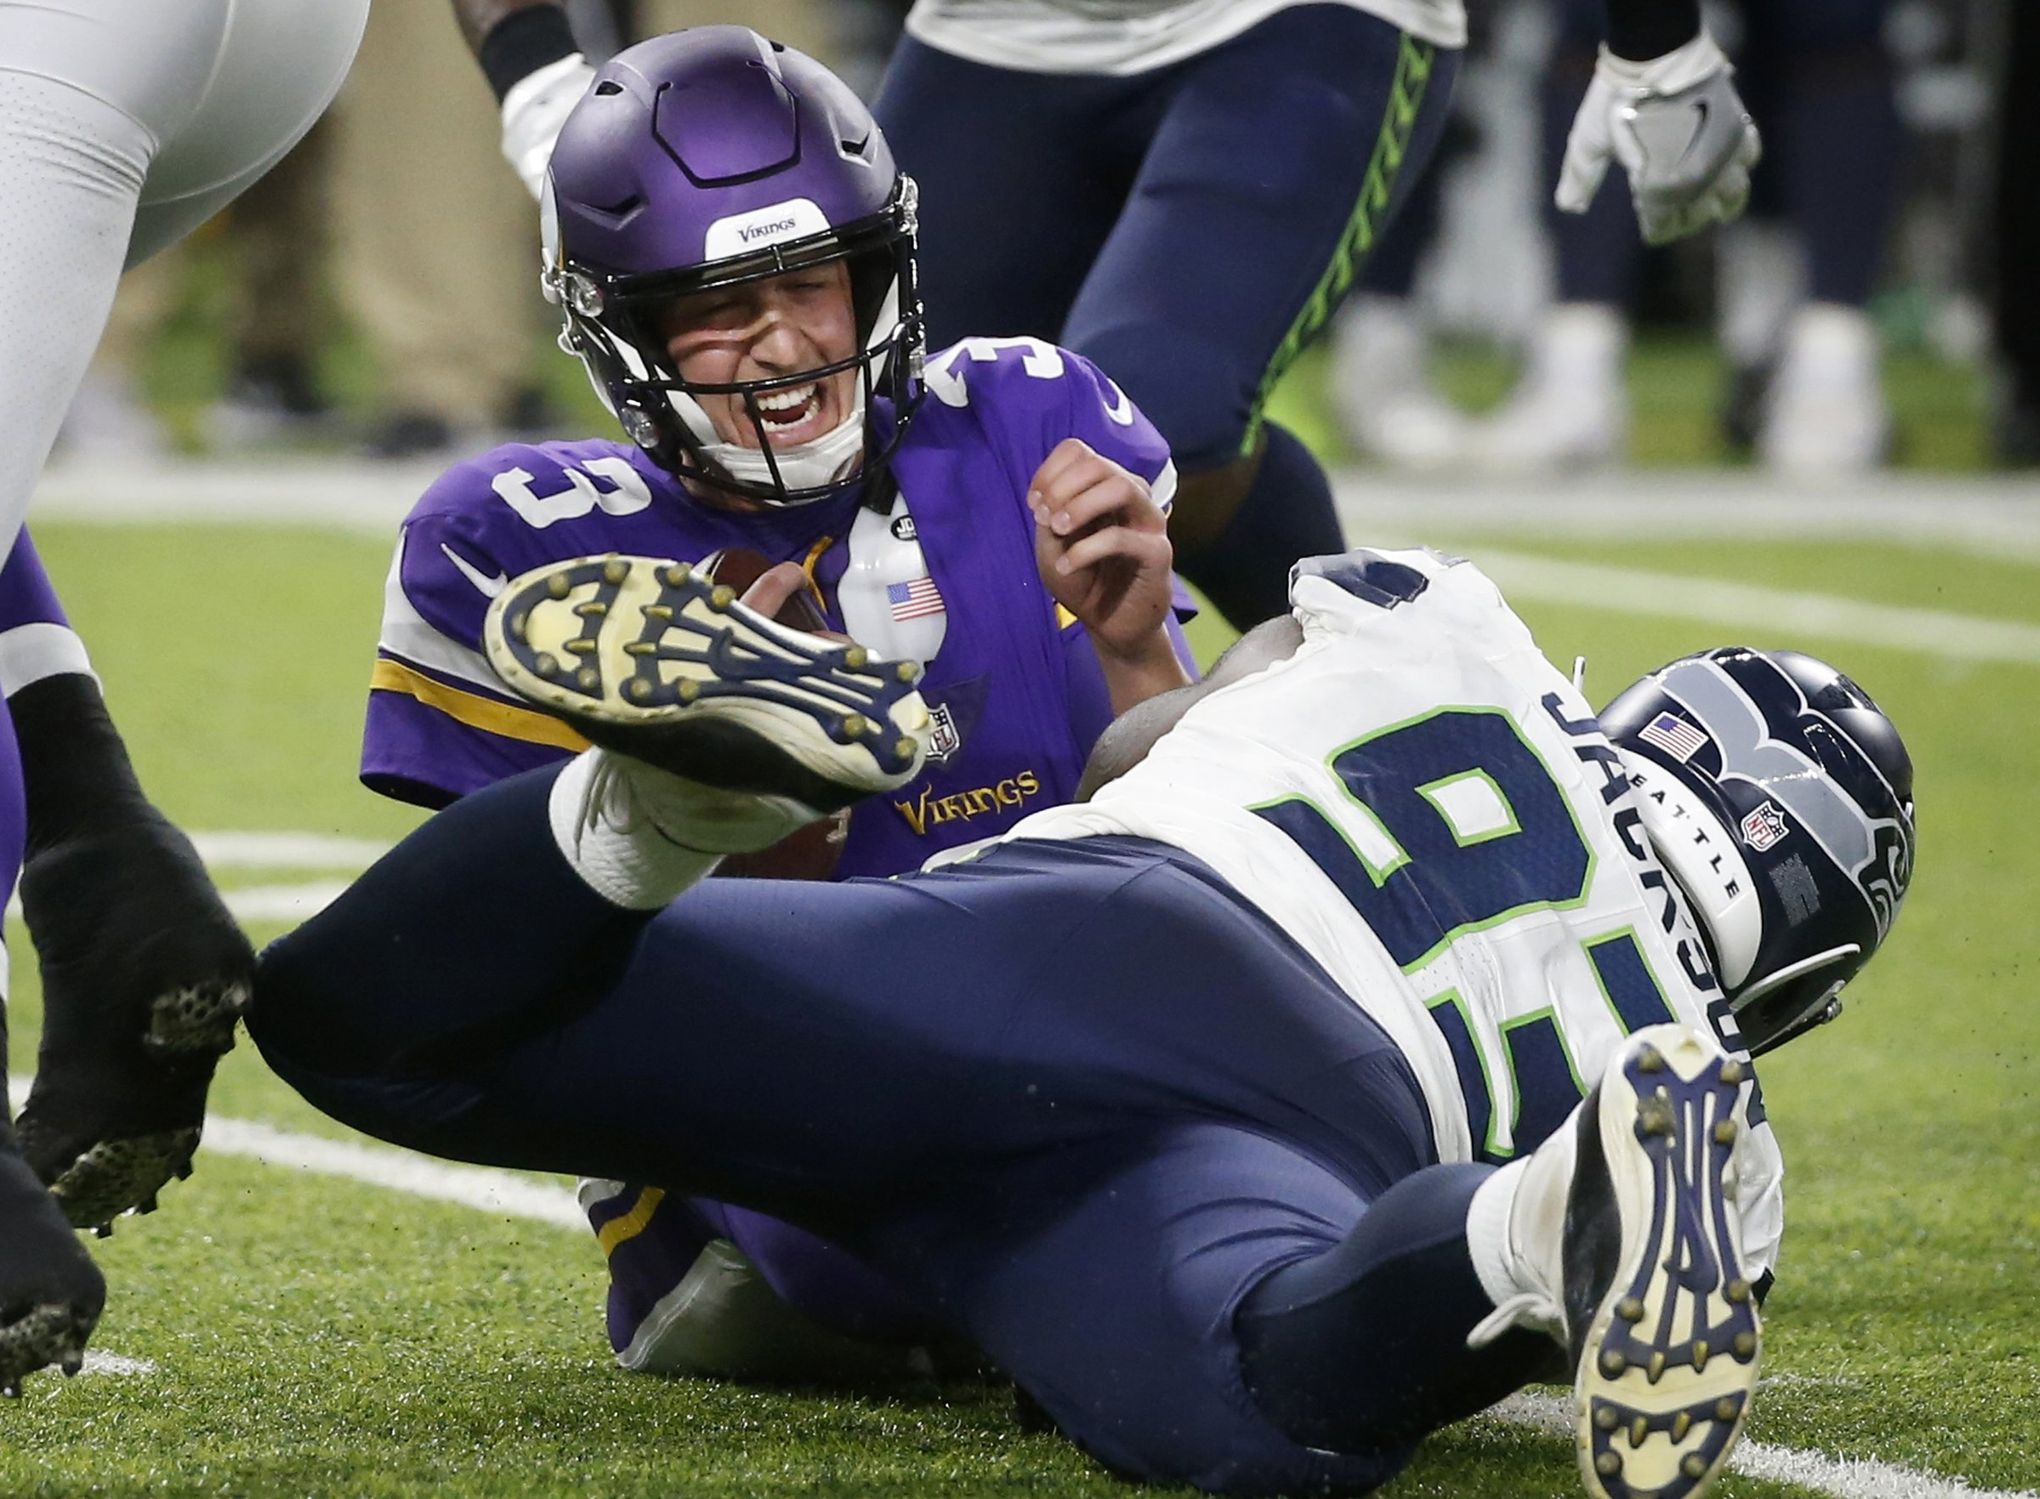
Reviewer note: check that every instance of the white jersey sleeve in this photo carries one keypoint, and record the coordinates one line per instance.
(1431, 811)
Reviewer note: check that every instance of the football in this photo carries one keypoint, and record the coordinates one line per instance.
(814, 851)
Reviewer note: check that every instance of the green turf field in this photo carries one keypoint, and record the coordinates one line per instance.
(312, 1335)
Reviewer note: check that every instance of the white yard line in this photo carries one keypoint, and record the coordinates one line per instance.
(286, 850)
(1766, 612)
(1843, 1477)
(503, 1194)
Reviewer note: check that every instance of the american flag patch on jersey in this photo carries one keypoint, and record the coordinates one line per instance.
(1674, 736)
(914, 600)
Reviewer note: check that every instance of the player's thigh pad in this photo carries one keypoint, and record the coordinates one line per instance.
(1280, 159)
(1104, 1279)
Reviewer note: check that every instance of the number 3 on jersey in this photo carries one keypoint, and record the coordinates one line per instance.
(1460, 828)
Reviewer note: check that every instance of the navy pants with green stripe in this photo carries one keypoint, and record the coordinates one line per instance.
(1189, 228)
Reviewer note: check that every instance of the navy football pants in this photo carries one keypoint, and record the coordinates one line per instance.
(1190, 229)
(1076, 1097)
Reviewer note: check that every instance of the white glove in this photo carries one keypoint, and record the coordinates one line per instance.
(533, 112)
(1680, 131)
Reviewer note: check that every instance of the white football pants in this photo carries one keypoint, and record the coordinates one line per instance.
(124, 124)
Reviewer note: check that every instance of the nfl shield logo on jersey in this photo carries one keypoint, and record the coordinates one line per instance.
(943, 738)
(1763, 827)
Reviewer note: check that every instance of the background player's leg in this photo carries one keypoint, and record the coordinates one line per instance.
(71, 170)
(1282, 157)
(50, 1291)
(1019, 185)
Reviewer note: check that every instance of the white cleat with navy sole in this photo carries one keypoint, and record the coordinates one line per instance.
(656, 661)
(1645, 1283)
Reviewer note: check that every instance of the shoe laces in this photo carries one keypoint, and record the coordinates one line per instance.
(1535, 1310)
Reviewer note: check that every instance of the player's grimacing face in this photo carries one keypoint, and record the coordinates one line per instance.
(801, 320)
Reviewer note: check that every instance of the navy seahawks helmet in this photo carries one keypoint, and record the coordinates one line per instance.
(1780, 798)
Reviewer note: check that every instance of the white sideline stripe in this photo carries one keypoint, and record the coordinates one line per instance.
(503, 1193)
(1762, 612)
(1843, 1477)
(1986, 515)
(286, 850)
(506, 1195)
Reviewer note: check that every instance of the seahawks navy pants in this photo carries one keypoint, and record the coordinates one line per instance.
(1190, 229)
(1078, 1099)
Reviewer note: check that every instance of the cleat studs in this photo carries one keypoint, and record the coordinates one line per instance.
(146, 1205)
(184, 1169)
(688, 689)
(520, 624)
(1725, 1409)
(854, 726)
(545, 665)
(908, 671)
(1606, 1419)
(1699, 1355)
(1608, 1464)
(593, 609)
(103, 1231)
(1650, 1059)
(1654, 1117)
(1629, 1309)
(558, 586)
(1731, 1073)
(588, 679)
(615, 570)
(1725, 1132)
(663, 613)
(856, 657)
(639, 647)
(582, 646)
(1681, 1424)
(1656, 1368)
(721, 596)
(1745, 1346)
(1639, 1430)
(639, 689)
(1612, 1363)
(1693, 1465)
(677, 575)
(11, 1389)
(903, 749)
(1737, 1291)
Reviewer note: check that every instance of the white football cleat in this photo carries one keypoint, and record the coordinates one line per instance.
(1620, 1237)
(1825, 416)
(1570, 408)
(1382, 392)
(659, 663)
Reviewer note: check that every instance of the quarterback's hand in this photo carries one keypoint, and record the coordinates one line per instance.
(533, 112)
(1680, 131)
(1102, 545)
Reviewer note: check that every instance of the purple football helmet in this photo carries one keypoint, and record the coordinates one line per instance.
(1780, 797)
(711, 158)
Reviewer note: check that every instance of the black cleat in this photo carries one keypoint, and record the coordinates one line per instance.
(144, 978)
(50, 1291)
(653, 660)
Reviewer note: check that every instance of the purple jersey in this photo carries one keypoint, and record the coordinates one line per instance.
(1015, 688)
